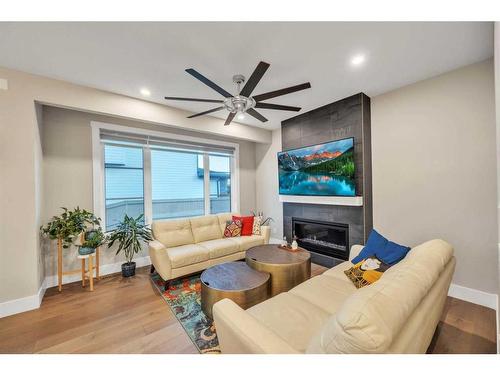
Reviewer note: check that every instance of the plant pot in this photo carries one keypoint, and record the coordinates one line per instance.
(128, 269)
(90, 234)
(86, 250)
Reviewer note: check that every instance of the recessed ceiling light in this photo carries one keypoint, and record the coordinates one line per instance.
(241, 116)
(358, 60)
(145, 92)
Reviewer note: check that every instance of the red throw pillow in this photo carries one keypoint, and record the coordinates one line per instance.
(247, 221)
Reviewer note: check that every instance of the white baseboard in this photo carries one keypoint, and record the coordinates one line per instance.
(105, 269)
(20, 305)
(474, 296)
(33, 302)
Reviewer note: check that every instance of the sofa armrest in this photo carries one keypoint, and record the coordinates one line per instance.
(355, 250)
(239, 332)
(159, 258)
(265, 231)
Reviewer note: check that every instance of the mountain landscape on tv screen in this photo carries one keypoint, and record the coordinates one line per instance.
(326, 169)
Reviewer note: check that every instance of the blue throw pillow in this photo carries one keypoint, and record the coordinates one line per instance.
(387, 251)
(375, 241)
(392, 253)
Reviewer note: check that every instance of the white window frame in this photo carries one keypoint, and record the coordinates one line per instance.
(98, 167)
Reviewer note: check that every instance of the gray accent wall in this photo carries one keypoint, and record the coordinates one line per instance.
(349, 117)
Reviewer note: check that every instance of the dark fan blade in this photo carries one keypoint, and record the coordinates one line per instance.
(254, 78)
(194, 99)
(209, 83)
(206, 112)
(257, 115)
(288, 90)
(277, 106)
(230, 118)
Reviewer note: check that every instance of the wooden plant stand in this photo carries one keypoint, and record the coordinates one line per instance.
(61, 273)
(88, 274)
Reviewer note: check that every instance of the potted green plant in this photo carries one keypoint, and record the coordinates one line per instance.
(66, 227)
(129, 234)
(92, 240)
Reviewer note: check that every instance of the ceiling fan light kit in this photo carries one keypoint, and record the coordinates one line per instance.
(243, 102)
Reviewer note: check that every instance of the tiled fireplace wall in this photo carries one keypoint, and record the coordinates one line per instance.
(349, 117)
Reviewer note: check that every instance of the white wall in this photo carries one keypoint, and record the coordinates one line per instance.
(267, 197)
(434, 168)
(67, 173)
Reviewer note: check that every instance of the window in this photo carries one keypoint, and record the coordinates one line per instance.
(177, 184)
(220, 184)
(124, 183)
(160, 177)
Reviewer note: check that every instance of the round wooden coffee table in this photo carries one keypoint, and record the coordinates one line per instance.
(288, 268)
(233, 280)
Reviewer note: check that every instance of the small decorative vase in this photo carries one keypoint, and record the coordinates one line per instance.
(295, 245)
(128, 269)
(85, 250)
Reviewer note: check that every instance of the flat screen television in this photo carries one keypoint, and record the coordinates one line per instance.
(326, 169)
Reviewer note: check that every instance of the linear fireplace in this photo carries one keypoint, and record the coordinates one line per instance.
(326, 241)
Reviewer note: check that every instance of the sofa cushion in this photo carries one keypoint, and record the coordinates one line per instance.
(223, 218)
(370, 319)
(173, 233)
(186, 255)
(291, 317)
(246, 242)
(327, 293)
(220, 247)
(205, 228)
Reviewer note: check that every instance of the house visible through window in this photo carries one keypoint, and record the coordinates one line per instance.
(220, 184)
(161, 181)
(124, 183)
(177, 185)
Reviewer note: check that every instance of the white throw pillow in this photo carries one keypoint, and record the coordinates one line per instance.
(256, 225)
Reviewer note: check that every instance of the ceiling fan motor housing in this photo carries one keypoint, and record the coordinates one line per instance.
(239, 103)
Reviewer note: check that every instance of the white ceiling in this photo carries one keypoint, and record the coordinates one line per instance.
(125, 57)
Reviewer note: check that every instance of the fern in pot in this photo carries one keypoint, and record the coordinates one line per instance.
(129, 234)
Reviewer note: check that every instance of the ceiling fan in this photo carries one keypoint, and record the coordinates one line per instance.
(242, 102)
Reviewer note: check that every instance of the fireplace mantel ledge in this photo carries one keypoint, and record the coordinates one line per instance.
(335, 201)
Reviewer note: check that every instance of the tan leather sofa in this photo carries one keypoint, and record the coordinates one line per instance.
(327, 314)
(185, 246)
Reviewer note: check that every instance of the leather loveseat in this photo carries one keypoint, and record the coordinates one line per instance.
(185, 246)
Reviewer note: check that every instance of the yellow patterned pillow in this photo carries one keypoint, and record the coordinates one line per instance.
(366, 272)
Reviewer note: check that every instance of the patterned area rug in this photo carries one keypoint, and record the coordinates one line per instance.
(184, 298)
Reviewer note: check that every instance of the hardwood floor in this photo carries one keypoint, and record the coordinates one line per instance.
(129, 316)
